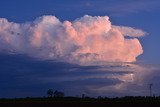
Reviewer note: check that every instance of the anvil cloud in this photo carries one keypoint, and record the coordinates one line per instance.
(83, 41)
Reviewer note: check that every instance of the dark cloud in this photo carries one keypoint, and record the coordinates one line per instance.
(22, 76)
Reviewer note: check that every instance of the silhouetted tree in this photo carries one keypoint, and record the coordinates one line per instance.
(50, 92)
(58, 94)
(99, 97)
(83, 95)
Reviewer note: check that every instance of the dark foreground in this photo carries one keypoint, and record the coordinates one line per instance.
(80, 102)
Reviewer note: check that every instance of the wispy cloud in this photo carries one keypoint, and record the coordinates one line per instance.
(120, 7)
(133, 6)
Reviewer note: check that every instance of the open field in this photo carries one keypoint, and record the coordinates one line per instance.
(80, 102)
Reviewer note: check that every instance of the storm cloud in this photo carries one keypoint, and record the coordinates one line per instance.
(86, 40)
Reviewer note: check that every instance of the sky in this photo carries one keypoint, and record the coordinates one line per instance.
(142, 14)
(28, 74)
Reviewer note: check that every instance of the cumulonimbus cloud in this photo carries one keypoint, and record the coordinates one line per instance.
(85, 40)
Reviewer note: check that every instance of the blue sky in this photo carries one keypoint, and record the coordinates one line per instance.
(22, 76)
(144, 14)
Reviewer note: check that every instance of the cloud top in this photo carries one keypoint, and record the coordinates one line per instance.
(83, 41)
(129, 31)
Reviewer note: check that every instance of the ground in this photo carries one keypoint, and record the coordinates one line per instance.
(80, 102)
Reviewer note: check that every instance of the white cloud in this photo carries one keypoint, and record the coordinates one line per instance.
(86, 40)
(129, 31)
